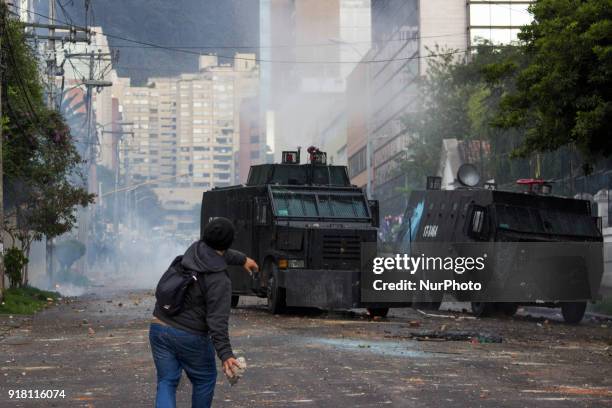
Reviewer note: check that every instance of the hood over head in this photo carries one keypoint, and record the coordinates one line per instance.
(202, 258)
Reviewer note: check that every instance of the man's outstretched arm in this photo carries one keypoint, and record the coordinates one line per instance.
(233, 257)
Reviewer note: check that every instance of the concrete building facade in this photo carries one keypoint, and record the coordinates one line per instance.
(405, 34)
(312, 46)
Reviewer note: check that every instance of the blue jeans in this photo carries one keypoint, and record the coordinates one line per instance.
(175, 350)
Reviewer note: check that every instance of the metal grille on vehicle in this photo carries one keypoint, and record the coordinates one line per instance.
(341, 248)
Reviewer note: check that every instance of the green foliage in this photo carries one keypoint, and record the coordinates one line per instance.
(563, 93)
(441, 115)
(459, 98)
(26, 300)
(14, 262)
(40, 160)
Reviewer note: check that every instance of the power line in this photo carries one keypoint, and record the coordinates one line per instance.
(230, 47)
(153, 45)
(328, 44)
(64, 12)
(256, 59)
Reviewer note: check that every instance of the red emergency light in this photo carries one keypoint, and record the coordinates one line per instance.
(317, 156)
(291, 157)
(536, 185)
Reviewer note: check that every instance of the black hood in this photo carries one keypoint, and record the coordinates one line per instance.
(202, 258)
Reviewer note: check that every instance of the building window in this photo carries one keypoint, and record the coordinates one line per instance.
(497, 22)
(357, 163)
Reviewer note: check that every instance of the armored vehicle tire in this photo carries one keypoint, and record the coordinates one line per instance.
(482, 309)
(573, 312)
(235, 299)
(508, 308)
(378, 311)
(276, 294)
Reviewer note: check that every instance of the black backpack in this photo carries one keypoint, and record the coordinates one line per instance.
(172, 287)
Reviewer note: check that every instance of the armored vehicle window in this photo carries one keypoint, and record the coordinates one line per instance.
(526, 219)
(519, 218)
(320, 175)
(292, 204)
(338, 177)
(289, 174)
(295, 205)
(258, 175)
(332, 175)
(345, 207)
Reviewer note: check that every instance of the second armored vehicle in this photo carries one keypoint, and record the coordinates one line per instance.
(549, 248)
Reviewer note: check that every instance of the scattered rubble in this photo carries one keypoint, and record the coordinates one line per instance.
(443, 335)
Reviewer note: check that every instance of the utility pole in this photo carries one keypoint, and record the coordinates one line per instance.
(90, 83)
(51, 64)
(2, 17)
(67, 33)
(119, 134)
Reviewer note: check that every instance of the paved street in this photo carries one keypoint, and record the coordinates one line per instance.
(96, 349)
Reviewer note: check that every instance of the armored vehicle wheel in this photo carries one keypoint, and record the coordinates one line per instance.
(235, 299)
(276, 294)
(573, 312)
(378, 311)
(482, 309)
(508, 308)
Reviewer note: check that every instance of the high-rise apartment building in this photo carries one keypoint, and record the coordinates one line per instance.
(186, 128)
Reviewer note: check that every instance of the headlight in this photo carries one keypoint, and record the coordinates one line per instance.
(295, 263)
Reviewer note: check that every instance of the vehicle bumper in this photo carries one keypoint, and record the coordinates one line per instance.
(324, 289)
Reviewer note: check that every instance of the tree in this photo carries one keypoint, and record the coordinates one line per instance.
(41, 163)
(14, 261)
(459, 98)
(562, 94)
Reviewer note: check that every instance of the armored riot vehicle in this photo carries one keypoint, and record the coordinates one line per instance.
(306, 226)
(548, 249)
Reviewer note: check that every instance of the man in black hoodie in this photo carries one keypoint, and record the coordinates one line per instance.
(185, 341)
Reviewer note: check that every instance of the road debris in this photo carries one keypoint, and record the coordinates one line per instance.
(441, 316)
(440, 335)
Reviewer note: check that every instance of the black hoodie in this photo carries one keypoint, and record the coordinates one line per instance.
(207, 305)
